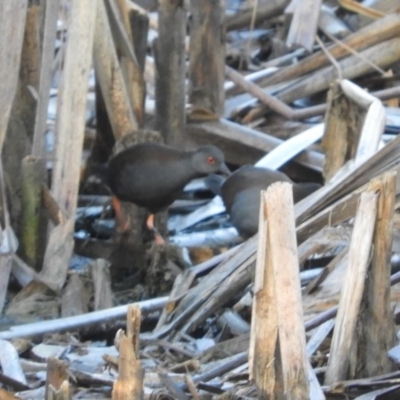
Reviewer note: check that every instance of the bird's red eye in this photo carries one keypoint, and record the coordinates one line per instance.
(211, 160)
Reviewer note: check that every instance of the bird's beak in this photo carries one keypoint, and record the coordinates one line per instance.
(224, 169)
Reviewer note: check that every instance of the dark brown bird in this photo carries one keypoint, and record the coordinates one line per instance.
(152, 175)
(240, 193)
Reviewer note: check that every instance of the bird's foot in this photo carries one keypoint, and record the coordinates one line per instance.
(150, 225)
(158, 238)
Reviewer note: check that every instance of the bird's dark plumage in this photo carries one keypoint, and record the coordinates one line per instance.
(240, 193)
(153, 175)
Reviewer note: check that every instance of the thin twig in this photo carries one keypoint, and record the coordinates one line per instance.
(354, 52)
(330, 58)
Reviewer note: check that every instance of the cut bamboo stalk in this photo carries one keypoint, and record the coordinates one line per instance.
(70, 127)
(12, 23)
(304, 24)
(46, 64)
(110, 76)
(129, 384)
(171, 70)
(32, 236)
(207, 56)
(373, 342)
(278, 359)
(350, 299)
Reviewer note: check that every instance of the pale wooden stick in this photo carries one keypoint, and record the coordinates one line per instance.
(171, 69)
(12, 23)
(70, 129)
(373, 341)
(110, 76)
(56, 379)
(350, 300)
(129, 384)
(46, 66)
(278, 358)
(129, 64)
(207, 42)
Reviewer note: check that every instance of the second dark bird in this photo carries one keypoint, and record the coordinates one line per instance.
(240, 193)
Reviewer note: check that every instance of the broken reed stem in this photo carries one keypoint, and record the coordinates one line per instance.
(12, 36)
(46, 66)
(207, 55)
(132, 73)
(110, 78)
(32, 236)
(278, 360)
(373, 341)
(57, 379)
(350, 299)
(171, 70)
(70, 127)
(129, 384)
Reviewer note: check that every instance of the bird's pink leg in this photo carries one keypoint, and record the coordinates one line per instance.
(150, 224)
(122, 223)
